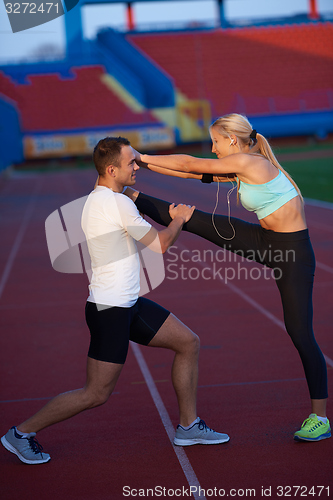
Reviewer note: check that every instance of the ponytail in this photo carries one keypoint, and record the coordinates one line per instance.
(262, 147)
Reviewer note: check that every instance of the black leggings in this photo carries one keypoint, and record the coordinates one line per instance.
(289, 254)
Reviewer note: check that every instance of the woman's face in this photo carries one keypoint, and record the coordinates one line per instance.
(221, 145)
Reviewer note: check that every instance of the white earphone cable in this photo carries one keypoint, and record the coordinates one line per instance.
(216, 205)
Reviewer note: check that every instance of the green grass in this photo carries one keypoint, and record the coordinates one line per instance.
(314, 177)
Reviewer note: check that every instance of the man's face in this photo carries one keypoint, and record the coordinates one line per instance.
(126, 172)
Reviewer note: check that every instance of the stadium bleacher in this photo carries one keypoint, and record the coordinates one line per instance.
(50, 103)
(253, 70)
(266, 71)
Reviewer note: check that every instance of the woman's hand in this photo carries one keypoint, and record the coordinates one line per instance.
(138, 159)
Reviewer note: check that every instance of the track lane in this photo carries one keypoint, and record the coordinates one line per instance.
(241, 391)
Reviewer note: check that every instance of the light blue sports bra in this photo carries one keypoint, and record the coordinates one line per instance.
(264, 199)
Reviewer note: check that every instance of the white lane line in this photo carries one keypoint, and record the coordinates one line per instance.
(19, 237)
(24, 400)
(326, 268)
(266, 313)
(255, 304)
(180, 453)
(328, 360)
(232, 384)
(318, 203)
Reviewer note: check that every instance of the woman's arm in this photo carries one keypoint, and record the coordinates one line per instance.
(172, 173)
(161, 170)
(183, 175)
(225, 178)
(186, 175)
(185, 163)
(133, 193)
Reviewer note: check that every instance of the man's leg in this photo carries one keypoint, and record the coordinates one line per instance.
(101, 380)
(174, 335)
(157, 327)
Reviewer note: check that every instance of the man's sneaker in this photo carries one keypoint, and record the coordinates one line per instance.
(313, 429)
(27, 448)
(199, 433)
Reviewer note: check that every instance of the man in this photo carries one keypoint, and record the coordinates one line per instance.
(114, 312)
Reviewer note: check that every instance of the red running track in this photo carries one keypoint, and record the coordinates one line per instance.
(251, 382)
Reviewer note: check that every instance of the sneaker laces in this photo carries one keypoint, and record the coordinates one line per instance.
(311, 421)
(204, 427)
(35, 445)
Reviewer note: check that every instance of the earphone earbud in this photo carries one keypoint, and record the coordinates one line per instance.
(232, 142)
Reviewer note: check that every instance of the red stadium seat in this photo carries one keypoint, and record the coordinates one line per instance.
(251, 70)
(50, 103)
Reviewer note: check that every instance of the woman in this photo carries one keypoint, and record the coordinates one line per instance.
(265, 188)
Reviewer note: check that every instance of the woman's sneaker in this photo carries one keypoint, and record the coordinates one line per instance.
(313, 429)
(26, 448)
(199, 433)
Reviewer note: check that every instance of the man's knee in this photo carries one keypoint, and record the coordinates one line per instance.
(192, 343)
(96, 397)
(176, 336)
(196, 342)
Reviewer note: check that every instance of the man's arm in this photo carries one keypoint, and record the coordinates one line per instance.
(131, 193)
(160, 241)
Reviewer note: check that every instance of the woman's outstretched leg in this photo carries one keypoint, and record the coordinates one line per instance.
(234, 235)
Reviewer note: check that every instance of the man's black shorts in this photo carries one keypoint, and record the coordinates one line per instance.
(112, 328)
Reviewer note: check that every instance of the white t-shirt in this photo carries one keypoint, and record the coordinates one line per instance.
(111, 223)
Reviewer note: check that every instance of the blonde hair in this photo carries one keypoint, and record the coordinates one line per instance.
(239, 125)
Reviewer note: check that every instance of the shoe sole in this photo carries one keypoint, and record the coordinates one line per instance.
(320, 438)
(190, 442)
(11, 448)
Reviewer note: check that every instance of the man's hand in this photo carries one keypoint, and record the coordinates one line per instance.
(160, 241)
(182, 211)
